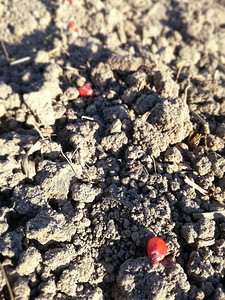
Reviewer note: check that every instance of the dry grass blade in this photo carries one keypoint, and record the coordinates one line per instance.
(7, 282)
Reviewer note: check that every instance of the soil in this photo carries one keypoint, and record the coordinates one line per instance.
(87, 181)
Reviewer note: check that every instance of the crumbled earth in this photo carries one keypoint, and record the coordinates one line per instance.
(86, 181)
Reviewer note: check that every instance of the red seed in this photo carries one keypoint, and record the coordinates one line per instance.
(156, 249)
(85, 90)
(70, 1)
(73, 26)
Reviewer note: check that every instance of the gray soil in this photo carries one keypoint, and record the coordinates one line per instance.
(85, 182)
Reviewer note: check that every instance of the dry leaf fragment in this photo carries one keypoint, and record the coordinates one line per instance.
(29, 166)
(193, 141)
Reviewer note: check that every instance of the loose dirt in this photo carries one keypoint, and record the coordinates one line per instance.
(85, 182)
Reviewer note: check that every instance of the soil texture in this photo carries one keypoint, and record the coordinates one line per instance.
(85, 182)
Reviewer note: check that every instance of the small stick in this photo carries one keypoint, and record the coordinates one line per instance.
(7, 282)
(21, 60)
(210, 215)
(5, 50)
(194, 185)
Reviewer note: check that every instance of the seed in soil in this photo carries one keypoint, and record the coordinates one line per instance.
(156, 249)
(73, 26)
(85, 90)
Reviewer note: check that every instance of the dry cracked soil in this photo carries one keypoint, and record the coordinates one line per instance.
(85, 182)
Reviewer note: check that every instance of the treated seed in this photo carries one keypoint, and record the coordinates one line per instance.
(156, 249)
(73, 26)
(85, 90)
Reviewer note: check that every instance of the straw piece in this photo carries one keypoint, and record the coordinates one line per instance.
(194, 185)
(7, 282)
(210, 215)
(21, 60)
